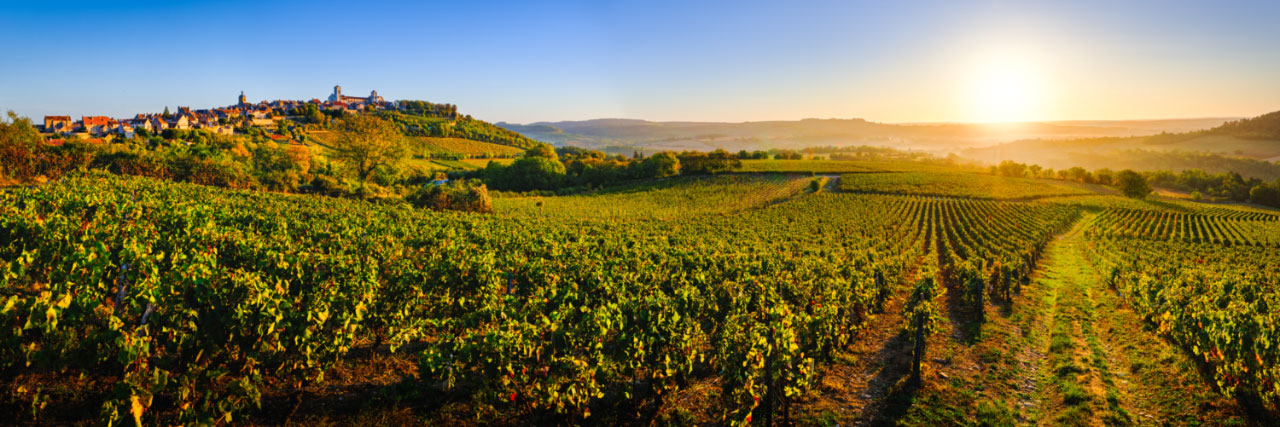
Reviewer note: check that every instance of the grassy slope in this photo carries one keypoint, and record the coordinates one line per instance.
(466, 147)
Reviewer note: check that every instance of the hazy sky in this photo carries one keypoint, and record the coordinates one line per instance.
(889, 61)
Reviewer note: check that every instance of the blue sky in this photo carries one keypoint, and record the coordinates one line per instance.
(680, 60)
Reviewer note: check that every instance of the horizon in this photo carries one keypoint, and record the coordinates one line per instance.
(36, 119)
(994, 62)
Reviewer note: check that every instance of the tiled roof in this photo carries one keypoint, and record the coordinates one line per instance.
(95, 120)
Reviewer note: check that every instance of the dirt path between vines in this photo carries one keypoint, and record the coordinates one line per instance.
(1099, 366)
(855, 388)
(1065, 351)
(851, 390)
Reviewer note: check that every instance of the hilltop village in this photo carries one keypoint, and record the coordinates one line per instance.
(222, 121)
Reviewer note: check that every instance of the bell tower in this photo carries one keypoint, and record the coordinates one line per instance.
(337, 93)
(243, 101)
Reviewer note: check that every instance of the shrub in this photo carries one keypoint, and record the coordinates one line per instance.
(457, 196)
(211, 172)
(133, 163)
(1132, 184)
(280, 180)
(327, 185)
(527, 173)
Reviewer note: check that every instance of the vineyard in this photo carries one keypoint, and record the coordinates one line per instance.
(803, 166)
(1226, 228)
(466, 147)
(1208, 282)
(672, 199)
(190, 304)
(969, 185)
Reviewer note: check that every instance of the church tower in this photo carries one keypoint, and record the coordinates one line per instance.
(243, 101)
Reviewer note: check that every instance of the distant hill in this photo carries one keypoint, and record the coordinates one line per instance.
(626, 135)
(1249, 147)
(1266, 126)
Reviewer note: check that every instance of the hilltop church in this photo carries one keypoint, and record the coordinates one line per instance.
(339, 97)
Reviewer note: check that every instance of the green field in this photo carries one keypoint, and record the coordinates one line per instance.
(721, 300)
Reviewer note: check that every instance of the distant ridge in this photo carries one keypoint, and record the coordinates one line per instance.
(1266, 126)
(625, 135)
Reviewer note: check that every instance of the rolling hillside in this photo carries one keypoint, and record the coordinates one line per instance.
(626, 135)
(439, 131)
(467, 147)
(1249, 147)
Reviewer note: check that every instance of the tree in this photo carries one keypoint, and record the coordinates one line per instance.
(364, 142)
(1264, 194)
(1133, 184)
(697, 162)
(527, 173)
(542, 150)
(660, 165)
(1104, 176)
(1080, 174)
(19, 142)
(1012, 168)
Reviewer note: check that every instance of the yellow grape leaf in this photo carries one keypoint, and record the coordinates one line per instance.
(136, 409)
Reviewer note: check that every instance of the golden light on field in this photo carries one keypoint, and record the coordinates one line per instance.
(1005, 89)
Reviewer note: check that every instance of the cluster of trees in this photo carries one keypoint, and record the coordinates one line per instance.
(1078, 174)
(866, 152)
(1177, 160)
(310, 114)
(1130, 183)
(771, 154)
(543, 168)
(1229, 185)
(1225, 186)
(428, 109)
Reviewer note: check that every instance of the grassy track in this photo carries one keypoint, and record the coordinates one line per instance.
(1100, 367)
(1065, 352)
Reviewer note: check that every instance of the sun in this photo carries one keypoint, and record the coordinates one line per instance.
(1005, 90)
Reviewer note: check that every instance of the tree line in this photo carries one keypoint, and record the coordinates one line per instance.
(1200, 184)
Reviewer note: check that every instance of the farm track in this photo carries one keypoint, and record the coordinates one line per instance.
(1065, 351)
(1077, 373)
(1098, 365)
